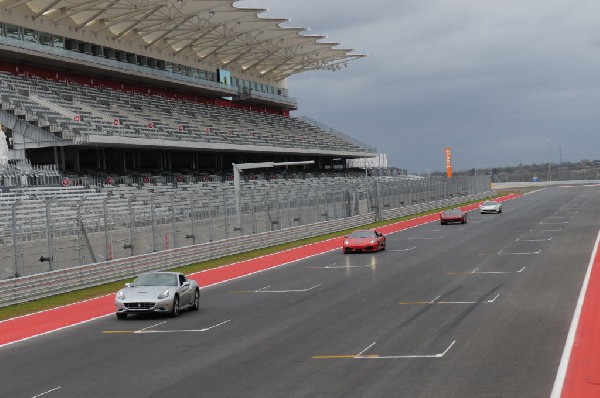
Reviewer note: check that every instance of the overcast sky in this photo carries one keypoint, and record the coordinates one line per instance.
(500, 82)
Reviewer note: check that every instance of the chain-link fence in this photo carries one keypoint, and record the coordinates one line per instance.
(46, 229)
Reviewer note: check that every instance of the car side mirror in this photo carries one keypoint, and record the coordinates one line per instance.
(346, 236)
(186, 283)
(128, 284)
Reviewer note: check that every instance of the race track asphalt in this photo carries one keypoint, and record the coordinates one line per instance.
(475, 310)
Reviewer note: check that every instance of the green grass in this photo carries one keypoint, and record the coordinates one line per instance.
(110, 288)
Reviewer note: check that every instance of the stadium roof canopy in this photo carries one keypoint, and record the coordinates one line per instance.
(216, 31)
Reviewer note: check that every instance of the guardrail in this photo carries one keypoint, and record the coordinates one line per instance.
(19, 290)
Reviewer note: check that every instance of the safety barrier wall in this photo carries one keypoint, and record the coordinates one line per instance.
(27, 288)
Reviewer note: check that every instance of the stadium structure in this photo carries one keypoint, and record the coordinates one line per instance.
(131, 91)
(131, 129)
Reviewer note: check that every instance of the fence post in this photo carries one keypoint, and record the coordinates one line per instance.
(192, 217)
(173, 220)
(14, 236)
(49, 235)
(105, 208)
(377, 201)
(153, 221)
(131, 223)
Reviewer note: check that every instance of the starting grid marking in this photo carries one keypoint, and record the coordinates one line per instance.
(501, 253)
(476, 271)
(335, 266)
(435, 301)
(149, 329)
(264, 290)
(362, 355)
(533, 240)
(401, 250)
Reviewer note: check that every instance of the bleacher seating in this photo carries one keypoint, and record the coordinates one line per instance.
(73, 110)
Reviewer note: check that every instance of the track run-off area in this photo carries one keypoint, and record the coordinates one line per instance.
(503, 306)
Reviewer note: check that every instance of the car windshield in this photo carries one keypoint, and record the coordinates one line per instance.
(490, 203)
(362, 234)
(156, 280)
(453, 212)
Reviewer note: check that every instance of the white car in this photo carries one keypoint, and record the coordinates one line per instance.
(489, 206)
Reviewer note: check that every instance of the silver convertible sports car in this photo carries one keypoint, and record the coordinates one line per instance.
(158, 292)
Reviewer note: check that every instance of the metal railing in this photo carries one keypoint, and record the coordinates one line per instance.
(216, 243)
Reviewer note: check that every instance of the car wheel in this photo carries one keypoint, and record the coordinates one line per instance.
(175, 309)
(196, 303)
(121, 315)
(443, 223)
(383, 246)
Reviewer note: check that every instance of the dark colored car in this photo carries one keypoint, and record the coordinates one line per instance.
(364, 241)
(453, 215)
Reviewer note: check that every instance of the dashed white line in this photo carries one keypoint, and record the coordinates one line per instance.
(47, 392)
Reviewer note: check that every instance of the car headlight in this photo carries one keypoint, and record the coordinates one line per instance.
(345, 242)
(164, 294)
(373, 241)
(120, 295)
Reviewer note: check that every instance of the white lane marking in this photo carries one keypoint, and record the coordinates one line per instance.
(366, 349)
(424, 238)
(183, 330)
(517, 254)
(440, 355)
(287, 291)
(333, 266)
(564, 361)
(553, 223)
(557, 217)
(476, 271)
(533, 240)
(262, 288)
(547, 230)
(401, 250)
(150, 327)
(434, 301)
(47, 392)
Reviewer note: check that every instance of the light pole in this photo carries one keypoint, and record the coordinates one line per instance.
(549, 177)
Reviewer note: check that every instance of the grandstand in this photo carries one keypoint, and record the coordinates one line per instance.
(96, 91)
(123, 120)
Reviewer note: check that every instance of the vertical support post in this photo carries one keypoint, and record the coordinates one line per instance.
(377, 201)
(106, 245)
(131, 222)
(210, 226)
(238, 199)
(14, 236)
(49, 235)
(153, 222)
(253, 205)
(192, 218)
(79, 226)
(225, 217)
(173, 212)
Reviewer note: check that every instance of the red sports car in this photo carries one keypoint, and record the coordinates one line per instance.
(364, 241)
(453, 215)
